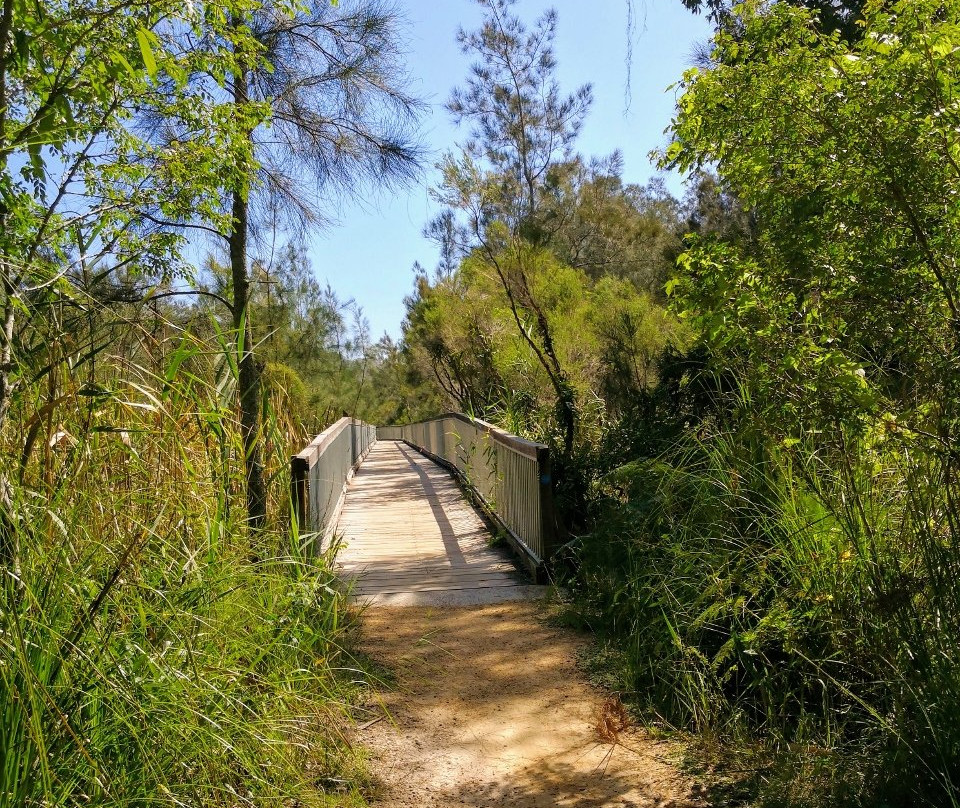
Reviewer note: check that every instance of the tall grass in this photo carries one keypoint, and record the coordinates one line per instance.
(806, 599)
(151, 649)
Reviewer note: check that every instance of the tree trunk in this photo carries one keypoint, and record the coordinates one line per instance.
(567, 414)
(8, 533)
(7, 273)
(566, 396)
(248, 368)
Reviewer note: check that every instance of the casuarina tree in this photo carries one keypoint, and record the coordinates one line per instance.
(328, 111)
(522, 130)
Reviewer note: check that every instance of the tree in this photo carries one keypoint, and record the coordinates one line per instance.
(450, 335)
(398, 392)
(338, 115)
(850, 289)
(82, 190)
(839, 326)
(304, 332)
(712, 210)
(607, 228)
(85, 195)
(522, 131)
(843, 16)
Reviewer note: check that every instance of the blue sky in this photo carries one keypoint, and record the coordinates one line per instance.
(369, 253)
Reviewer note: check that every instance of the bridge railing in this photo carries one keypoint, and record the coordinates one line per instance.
(319, 475)
(510, 475)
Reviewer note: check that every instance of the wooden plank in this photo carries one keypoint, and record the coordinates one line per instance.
(367, 581)
(480, 571)
(405, 526)
(378, 571)
(398, 590)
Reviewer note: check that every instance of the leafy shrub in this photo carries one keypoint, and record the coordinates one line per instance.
(152, 649)
(764, 592)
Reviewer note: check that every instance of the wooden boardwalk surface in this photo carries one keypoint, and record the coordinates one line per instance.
(410, 536)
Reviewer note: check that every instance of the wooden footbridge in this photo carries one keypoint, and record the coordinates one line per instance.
(428, 512)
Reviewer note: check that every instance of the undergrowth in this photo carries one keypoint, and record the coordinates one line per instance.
(152, 649)
(795, 607)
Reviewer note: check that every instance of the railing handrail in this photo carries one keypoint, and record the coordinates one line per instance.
(311, 453)
(528, 448)
(317, 489)
(508, 476)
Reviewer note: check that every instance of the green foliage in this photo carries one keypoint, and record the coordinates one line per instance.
(151, 649)
(84, 75)
(843, 16)
(287, 396)
(609, 335)
(608, 228)
(632, 333)
(777, 576)
(148, 650)
(299, 324)
(766, 593)
(851, 181)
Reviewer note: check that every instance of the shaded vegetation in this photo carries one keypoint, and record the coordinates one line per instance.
(164, 639)
(149, 646)
(761, 487)
(750, 392)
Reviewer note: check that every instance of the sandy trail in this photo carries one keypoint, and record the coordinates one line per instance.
(489, 709)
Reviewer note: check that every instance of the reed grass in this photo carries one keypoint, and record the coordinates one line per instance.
(152, 649)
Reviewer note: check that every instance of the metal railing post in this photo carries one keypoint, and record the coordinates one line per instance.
(299, 469)
(548, 527)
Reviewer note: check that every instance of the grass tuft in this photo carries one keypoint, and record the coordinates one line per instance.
(801, 605)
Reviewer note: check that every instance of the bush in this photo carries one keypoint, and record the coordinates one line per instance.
(151, 648)
(806, 601)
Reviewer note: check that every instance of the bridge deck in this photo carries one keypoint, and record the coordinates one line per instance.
(410, 536)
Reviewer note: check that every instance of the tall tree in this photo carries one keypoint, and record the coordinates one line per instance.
(80, 185)
(338, 114)
(522, 131)
(84, 193)
(849, 291)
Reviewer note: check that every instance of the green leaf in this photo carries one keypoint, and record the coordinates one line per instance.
(119, 59)
(21, 47)
(146, 51)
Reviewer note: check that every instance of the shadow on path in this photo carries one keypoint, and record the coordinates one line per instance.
(447, 533)
(489, 709)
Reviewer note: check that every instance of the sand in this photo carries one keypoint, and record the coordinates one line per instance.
(488, 708)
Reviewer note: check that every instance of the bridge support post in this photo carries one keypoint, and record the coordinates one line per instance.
(299, 471)
(548, 519)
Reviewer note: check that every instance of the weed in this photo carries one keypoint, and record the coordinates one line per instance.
(796, 604)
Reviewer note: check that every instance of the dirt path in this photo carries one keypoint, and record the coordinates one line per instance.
(489, 709)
